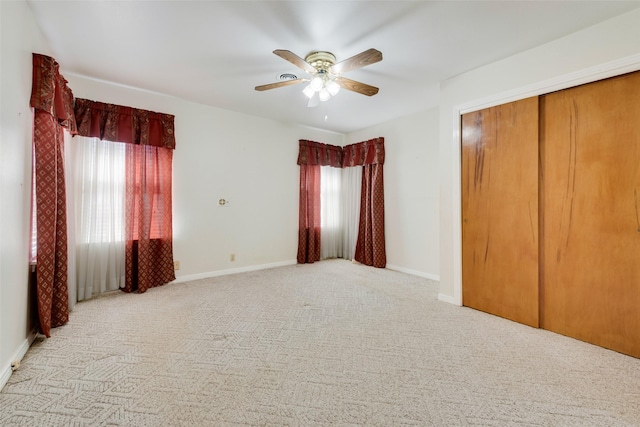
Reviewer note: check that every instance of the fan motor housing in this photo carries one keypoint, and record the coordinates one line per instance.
(321, 60)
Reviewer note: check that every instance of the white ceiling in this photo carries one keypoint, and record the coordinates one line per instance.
(216, 52)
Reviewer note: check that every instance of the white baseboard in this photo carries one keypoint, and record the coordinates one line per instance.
(217, 273)
(441, 297)
(414, 272)
(448, 299)
(6, 372)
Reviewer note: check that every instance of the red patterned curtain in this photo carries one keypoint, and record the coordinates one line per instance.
(150, 142)
(52, 101)
(309, 215)
(149, 240)
(370, 246)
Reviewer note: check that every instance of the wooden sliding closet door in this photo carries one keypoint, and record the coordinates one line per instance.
(500, 211)
(590, 204)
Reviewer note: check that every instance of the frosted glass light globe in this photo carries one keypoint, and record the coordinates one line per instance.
(316, 83)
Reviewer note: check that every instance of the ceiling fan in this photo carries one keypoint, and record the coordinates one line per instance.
(326, 74)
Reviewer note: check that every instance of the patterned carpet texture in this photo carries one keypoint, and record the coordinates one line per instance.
(332, 343)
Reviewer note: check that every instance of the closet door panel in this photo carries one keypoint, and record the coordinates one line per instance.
(590, 202)
(500, 211)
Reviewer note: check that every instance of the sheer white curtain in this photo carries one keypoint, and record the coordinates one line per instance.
(99, 215)
(350, 209)
(331, 224)
(71, 220)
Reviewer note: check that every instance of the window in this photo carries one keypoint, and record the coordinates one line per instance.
(99, 190)
(331, 222)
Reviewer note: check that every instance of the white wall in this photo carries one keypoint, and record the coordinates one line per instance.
(411, 191)
(249, 161)
(609, 48)
(19, 38)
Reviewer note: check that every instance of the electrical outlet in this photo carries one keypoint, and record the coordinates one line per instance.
(232, 257)
(176, 265)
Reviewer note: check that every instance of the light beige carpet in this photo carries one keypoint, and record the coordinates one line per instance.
(331, 343)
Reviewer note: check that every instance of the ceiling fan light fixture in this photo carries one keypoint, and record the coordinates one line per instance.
(308, 91)
(324, 94)
(326, 75)
(333, 87)
(316, 83)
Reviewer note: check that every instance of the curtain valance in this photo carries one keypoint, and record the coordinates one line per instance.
(317, 153)
(369, 152)
(50, 93)
(119, 123)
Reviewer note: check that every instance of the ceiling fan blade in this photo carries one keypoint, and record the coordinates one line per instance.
(280, 84)
(295, 60)
(368, 57)
(355, 86)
